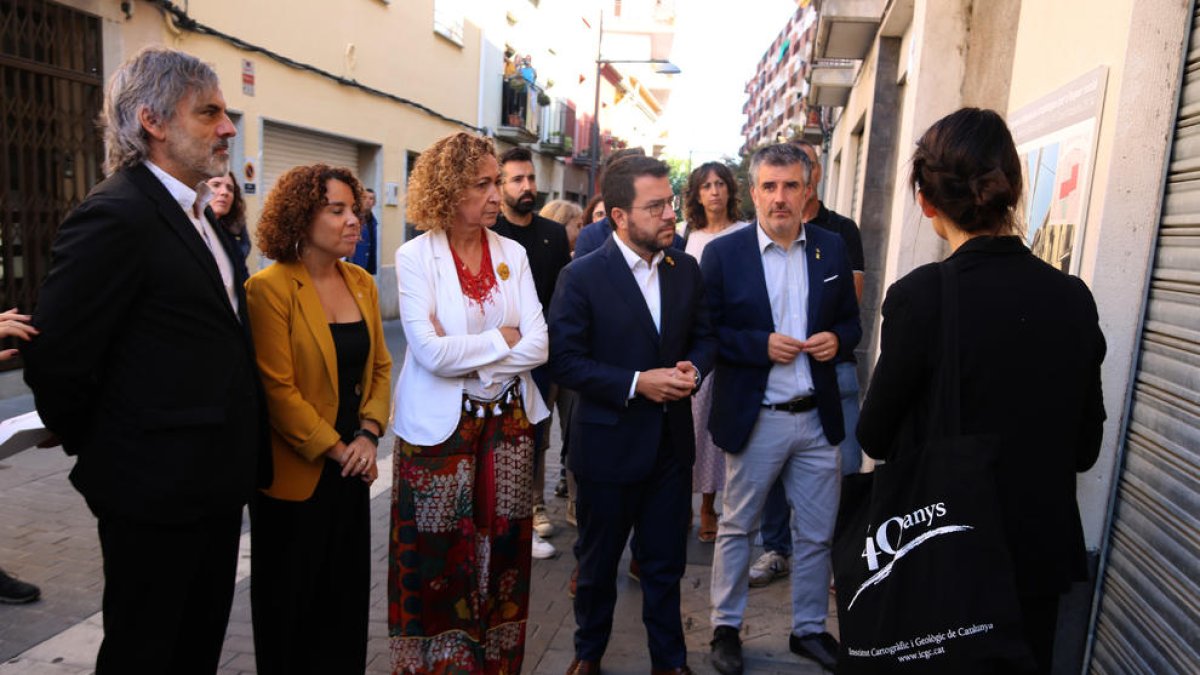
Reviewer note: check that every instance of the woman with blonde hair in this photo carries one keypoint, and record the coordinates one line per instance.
(465, 409)
(325, 368)
(567, 213)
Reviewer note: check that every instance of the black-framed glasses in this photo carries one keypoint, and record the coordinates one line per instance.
(656, 208)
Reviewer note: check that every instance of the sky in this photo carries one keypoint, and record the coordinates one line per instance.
(717, 46)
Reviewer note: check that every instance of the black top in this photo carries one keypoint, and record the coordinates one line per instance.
(545, 242)
(1030, 350)
(845, 228)
(352, 343)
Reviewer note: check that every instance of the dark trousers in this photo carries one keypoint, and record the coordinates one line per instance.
(167, 593)
(1039, 616)
(311, 578)
(656, 509)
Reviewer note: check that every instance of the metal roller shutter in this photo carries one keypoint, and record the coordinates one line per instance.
(285, 147)
(1149, 614)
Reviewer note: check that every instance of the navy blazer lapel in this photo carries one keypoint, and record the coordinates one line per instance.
(179, 223)
(818, 264)
(668, 297)
(751, 266)
(626, 287)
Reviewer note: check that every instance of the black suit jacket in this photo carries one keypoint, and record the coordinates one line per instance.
(601, 332)
(1030, 350)
(741, 314)
(142, 367)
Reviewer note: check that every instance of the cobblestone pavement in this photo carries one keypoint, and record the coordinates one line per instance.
(48, 537)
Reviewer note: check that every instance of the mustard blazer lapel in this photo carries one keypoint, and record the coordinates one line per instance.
(314, 318)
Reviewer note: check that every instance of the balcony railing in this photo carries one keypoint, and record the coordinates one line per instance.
(558, 129)
(520, 110)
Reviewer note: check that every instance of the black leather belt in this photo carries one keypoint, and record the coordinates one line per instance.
(794, 406)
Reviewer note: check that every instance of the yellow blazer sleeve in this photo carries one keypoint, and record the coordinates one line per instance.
(377, 405)
(271, 306)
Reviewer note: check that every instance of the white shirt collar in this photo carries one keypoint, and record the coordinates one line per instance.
(632, 258)
(192, 200)
(764, 241)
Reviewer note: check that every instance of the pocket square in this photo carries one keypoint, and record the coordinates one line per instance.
(829, 279)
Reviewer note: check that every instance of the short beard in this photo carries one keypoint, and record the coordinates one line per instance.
(521, 206)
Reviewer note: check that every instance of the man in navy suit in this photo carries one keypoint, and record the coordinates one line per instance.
(781, 298)
(629, 331)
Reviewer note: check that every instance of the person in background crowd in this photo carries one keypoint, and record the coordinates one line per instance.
(776, 531)
(710, 204)
(594, 211)
(546, 246)
(1027, 333)
(230, 209)
(783, 305)
(630, 334)
(365, 253)
(567, 213)
(466, 406)
(318, 337)
(144, 368)
(13, 591)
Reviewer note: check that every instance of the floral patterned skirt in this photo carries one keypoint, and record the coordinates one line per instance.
(458, 565)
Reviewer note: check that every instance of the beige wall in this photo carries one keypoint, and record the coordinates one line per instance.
(956, 53)
(1141, 42)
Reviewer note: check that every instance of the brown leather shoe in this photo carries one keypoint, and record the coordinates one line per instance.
(578, 667)
(681, 670)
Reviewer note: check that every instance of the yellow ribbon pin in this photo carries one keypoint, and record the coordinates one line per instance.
(502, 270)
(669, 261)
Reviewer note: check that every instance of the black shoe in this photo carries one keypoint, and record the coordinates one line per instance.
(726, 650)
(17, 592)
(820, 647)
(560, 489)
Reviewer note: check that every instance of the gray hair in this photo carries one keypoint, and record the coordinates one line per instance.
(156, 79)
(780, 154)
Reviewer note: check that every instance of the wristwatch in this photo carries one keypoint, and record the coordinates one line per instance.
(369, 435)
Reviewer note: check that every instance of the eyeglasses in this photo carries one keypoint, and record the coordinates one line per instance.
(656, 208)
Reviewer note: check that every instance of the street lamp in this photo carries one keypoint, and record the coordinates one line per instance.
(663, 66)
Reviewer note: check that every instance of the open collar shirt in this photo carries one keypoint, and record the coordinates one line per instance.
(786, 276)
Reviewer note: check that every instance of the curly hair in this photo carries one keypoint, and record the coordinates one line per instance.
(693, 210)
(288, 214)
(441, 176)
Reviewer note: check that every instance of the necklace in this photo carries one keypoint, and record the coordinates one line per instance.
(480, 286)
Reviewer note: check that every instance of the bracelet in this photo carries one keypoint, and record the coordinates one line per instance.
(369, 435)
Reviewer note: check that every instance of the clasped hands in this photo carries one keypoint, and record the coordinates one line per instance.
(784, 349)
(667, 384)
(357, 458)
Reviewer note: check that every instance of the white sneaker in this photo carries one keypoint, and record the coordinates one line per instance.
(769, 567)
(541, 522)
(542, 549)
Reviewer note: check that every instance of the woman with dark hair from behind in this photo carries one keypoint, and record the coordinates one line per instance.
(229, 207)
(710, 205)
(1030, 350)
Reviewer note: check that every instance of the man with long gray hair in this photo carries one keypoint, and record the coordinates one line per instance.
(145, 370)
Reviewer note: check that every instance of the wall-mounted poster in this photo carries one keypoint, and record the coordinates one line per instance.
(1056, 140)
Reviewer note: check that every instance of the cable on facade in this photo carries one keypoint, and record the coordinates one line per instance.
(186, 23)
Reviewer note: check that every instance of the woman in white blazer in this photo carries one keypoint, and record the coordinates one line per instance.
(465, 407)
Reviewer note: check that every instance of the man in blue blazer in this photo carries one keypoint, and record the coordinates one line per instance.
(782, 302)
(629, 331)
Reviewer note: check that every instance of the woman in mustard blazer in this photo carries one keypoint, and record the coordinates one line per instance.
(318, 337)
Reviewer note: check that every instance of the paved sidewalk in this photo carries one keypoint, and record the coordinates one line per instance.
(48, 537)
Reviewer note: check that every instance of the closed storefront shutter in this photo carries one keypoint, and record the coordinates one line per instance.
(285, 147)
(1149, 613)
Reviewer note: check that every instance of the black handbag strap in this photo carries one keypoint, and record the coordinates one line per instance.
(949, 389)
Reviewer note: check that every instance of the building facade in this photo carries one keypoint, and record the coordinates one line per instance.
(1102, 103)
(777, 106)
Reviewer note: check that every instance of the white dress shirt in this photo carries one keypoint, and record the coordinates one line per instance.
(786, 274)
(193, 202)
(645, 274)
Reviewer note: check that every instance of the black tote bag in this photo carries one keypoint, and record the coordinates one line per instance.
(924, 580)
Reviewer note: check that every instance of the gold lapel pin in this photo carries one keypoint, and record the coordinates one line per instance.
(670, 261)
(502, 270)
(818, 254)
